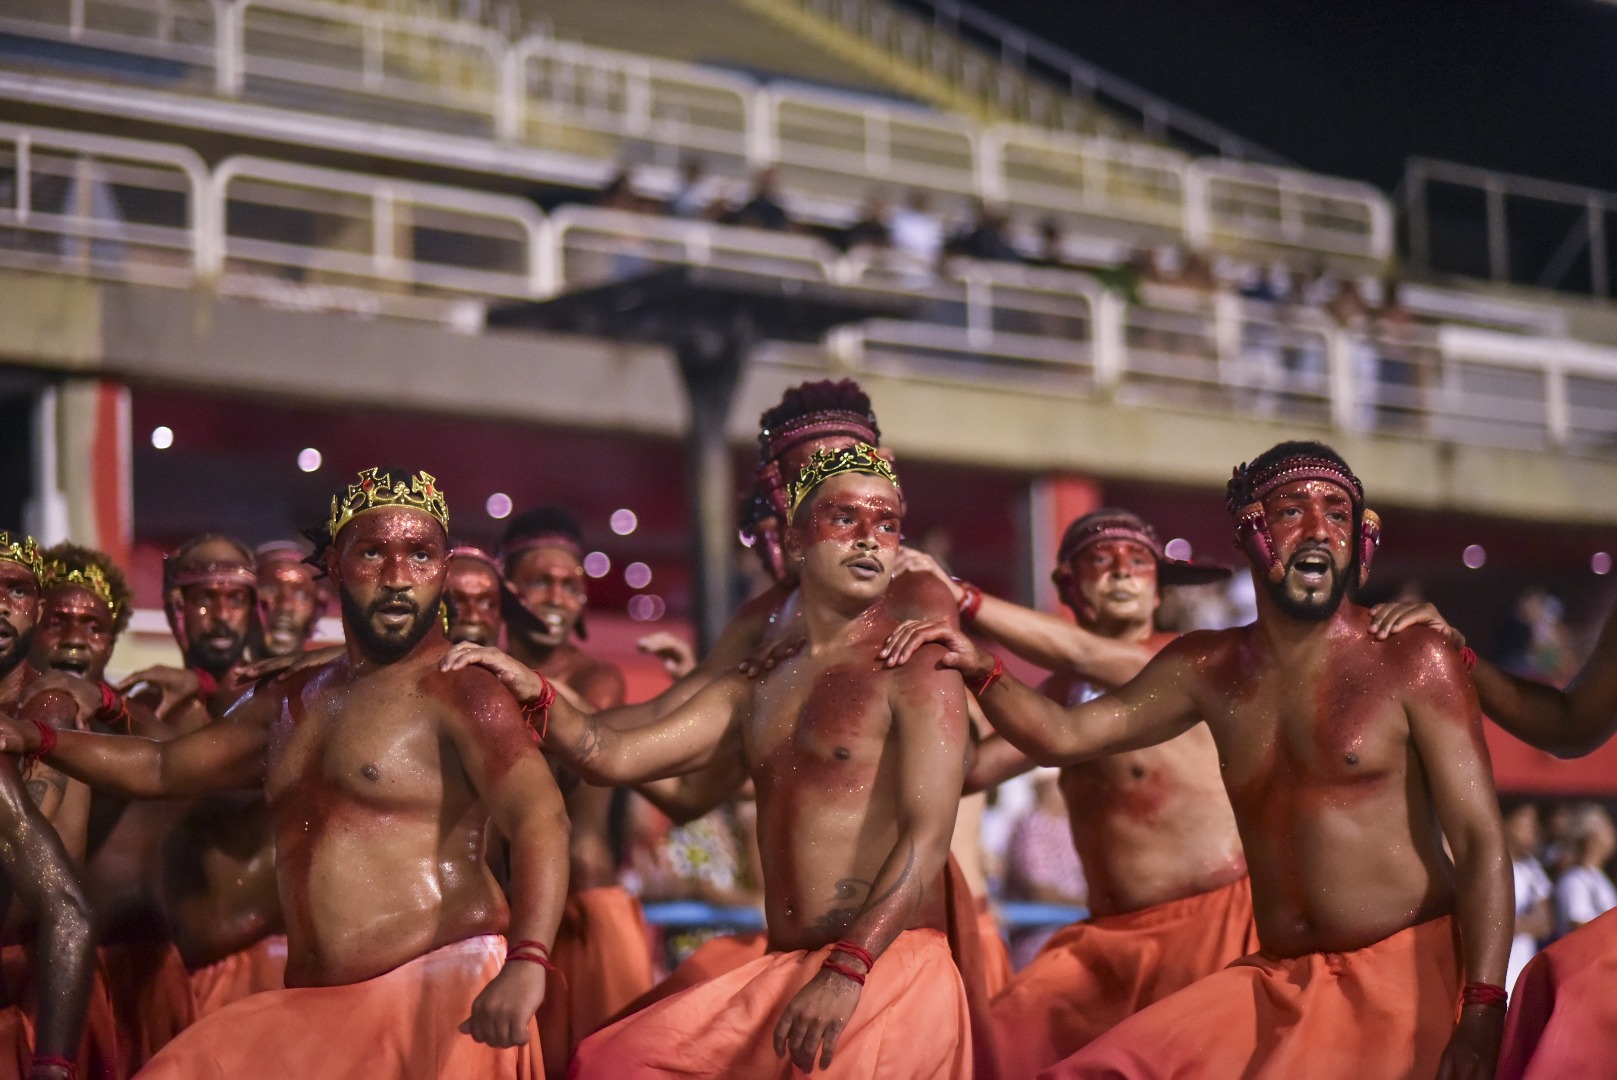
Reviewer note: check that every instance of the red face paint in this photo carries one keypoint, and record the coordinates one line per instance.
(472, 589)
(390, 564)
(289, 599)
(74, 633)
(1116, 582)
(849, 534)
(550, 582)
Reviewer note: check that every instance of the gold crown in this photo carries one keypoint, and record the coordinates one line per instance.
(91, 578)
(827, 462)
(22, 551)
(377, 490)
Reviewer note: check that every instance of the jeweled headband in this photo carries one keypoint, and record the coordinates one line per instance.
(90, 578)
(466, 551)
(280, 551)
(1110, 527)
(22, 551)
(377, 490)
(1289, 471)
(827, 462)
(542, 540)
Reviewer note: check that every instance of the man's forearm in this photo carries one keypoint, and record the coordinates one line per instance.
(1034, 724)
(539, 867)
(1541, 716)
(895, 896)
(1485, 905)
(65, 951)
(124, 765)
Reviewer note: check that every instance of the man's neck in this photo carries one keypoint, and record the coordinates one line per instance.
(363, 662)
(832, 620)
(536, 655)
(12, 682)
(1286, 636)
(1117, 630)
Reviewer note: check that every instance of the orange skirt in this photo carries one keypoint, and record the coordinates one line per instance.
(712, 958)
(603, 950)
(400, 1026)
(911, 1021)
(151, 998)
(1384, 1012)
(996, 954)
(1092, 975)
(259, 967)
(1563, 1013)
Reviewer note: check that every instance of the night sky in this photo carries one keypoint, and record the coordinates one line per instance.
(1352, 89)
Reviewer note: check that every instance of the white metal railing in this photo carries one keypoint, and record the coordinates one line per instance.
(105, 206)
(591, 246)
(96, 204)
(1242, 203)
(315, 225)
(428, 72)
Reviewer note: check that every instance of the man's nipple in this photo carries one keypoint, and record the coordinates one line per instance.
(370, 772)
(842, 753)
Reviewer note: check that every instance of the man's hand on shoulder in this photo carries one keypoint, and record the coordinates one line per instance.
(17, 737)
(85, 695)
(959, 651)
(284, 667)
(1399, 615)
(525, 684)
(502, 1012)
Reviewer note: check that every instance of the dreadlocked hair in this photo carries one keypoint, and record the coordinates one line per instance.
(827, 395)
(77, 557)
(1239, 492)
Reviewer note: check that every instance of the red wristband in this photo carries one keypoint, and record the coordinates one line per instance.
(858, 952)
(114, 709)
(47, 743)
(207, 685)
(1480, 993)
(1468, 657)
(845, 972)
(52, 1061)
(979, 687)
(533, 952)
(537, 712)
(971, 601)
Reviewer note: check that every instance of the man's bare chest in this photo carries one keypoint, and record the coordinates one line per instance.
(385, 754)
(805, 715)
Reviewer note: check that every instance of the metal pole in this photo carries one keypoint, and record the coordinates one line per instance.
(1598, 270)
(711, 355)
(1498, 245)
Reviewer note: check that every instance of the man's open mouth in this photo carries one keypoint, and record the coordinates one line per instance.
(1313, 567)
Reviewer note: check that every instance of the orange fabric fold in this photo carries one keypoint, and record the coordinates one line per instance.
(602, 948)
(712, 958)
(910, 1021)
(260, 967)
(400, 1026)
(997, 970)
(1094, 974)
(1384, 1012)
(151, 998)
(1563, 1009)
(98, 1057)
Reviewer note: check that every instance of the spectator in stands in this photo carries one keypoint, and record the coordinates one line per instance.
(1402, 373)
(1052, 245)
(872, 230)
(1585, 892)
(988, 236)
(918, 232)
(620, 195)
(708, 860)
(695, 195)
(763, 208)
(1535, 920)
(1041, 863)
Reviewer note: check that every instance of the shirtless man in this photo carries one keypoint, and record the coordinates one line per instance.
(1347, 762)
(1562, 1021)
(1168, 894)
(217, 864)
(84, 608)
(602, 943)
(472, 594)
(381, 774)
(289, 600)
(858, 772)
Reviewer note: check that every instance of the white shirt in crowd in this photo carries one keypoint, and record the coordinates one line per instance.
(1583, 894)
(1532, 886)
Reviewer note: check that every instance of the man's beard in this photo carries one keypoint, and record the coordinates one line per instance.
(386, 647)
(11, 657)
(215, 659)
(1314, 609)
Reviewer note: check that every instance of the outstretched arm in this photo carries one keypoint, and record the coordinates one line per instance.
(225, 756)
(1149, 709)
(930, 730)
(42, 878)
(1446, 727)
(1052, 643)
(702, 730)
(509, 774)
(1568, 724)
(686, 798)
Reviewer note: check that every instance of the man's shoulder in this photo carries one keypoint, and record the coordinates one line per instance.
(916, 594)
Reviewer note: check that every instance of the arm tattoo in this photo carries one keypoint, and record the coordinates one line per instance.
(42, 782)
(840, 916)
(588, 745)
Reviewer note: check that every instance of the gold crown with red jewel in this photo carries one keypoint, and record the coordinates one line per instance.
(23, 551)
(378, 490)
(827, 462)
(90, 578)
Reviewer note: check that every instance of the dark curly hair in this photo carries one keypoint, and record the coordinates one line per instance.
(802, 400)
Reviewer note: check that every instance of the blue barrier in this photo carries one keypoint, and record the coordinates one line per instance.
(682, 914)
